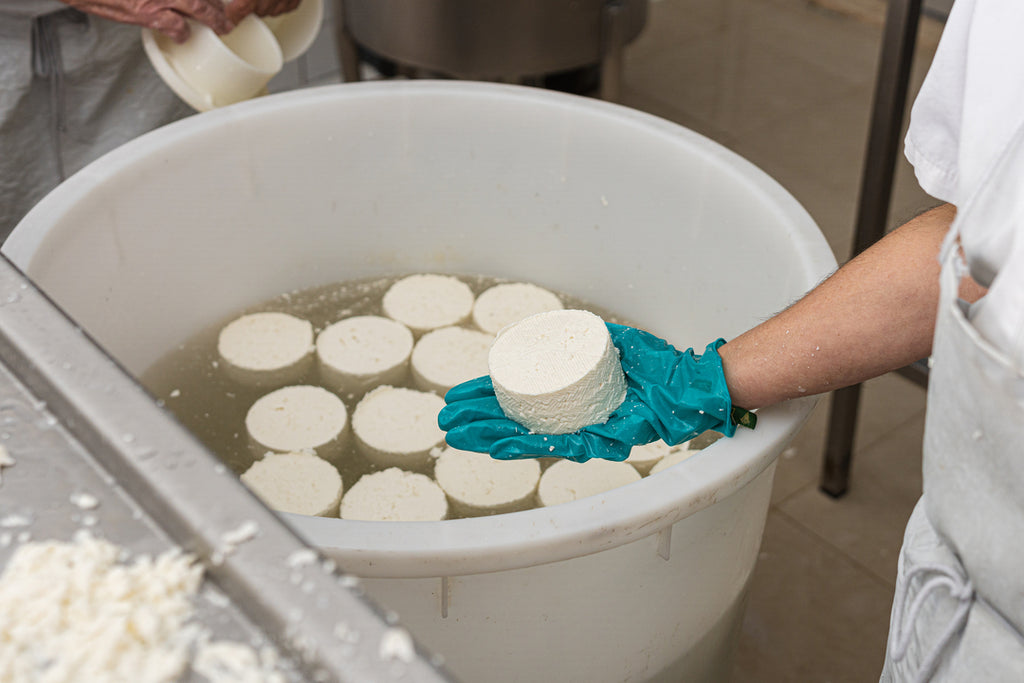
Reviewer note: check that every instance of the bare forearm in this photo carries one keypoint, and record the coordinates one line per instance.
(875, 314)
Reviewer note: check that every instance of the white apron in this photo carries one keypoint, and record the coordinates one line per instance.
(958, 612)
(72, 87)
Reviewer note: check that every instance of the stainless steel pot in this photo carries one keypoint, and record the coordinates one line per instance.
(505, 40)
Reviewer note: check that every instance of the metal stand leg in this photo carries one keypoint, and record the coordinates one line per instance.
(613, 38)
(348, 52)
(898, 41)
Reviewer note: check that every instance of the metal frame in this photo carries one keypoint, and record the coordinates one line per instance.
(898, 41)
(73, 418)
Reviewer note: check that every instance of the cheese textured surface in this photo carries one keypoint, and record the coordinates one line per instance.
(645, 457)
(426, 302)
(297, 418)
(449, 356)
(394, 495)
(557, 372)
(363, 352)
(79, 611)
(566, 481)
(508, 303)
(396, 427)
(266, 347)
(478, 484)
(296, 482)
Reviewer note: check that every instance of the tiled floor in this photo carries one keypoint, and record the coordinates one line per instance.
(788, 84)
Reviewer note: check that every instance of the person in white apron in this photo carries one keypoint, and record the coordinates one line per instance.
(75, 85)
(954, 293)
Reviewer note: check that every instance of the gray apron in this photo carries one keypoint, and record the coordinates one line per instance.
(958, 611)
(72, 87)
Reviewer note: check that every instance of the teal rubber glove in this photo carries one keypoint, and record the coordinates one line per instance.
(671, 395)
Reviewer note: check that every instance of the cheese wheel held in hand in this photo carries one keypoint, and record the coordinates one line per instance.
(557, 372)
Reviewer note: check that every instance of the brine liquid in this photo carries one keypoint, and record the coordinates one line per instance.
(190, 383)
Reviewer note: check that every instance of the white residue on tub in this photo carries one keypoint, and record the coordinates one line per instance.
(84, 501)
(396, 644)
(245, 531)
(301, 558)
(14, 520)
(343, 633)
(6, 460)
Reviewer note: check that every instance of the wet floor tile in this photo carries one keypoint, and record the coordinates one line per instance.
(867, 523)
(813, 615)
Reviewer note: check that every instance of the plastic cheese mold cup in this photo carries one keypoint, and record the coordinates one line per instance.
(209, 70)
(630, 211)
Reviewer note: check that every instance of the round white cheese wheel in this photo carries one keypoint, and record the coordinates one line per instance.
(477, 484)
(266, 349)
(393, 495)
(557, 372)
(360, 353)
(566, 480)
(296, 482)
(426, 302)
(396, 427)
(508, 303)
(644, 457)
(449, 356)
(673, 458)
(298, 418)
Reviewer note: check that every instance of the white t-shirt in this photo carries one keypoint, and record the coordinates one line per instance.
(966, 143)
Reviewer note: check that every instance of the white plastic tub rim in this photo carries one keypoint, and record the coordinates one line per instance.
(509, 541)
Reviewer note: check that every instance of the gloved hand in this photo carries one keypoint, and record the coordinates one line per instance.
(671, 395)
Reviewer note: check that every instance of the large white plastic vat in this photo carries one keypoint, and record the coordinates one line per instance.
(183, 227)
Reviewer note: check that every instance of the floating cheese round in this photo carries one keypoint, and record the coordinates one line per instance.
(296, 482)
(360, 353)
(508, 303)
(566, 480)
(266, 349)
(557, 372)
(396, 427)
(477, 484)
(644, 457)
(298, 418)
(673, 458)
(393, 495)
(449, 356)
(427, 302)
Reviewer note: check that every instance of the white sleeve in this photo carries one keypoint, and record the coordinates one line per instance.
(972, 100)
(933, 138)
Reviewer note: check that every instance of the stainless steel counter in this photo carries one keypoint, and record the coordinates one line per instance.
(76, 423)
